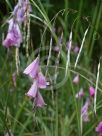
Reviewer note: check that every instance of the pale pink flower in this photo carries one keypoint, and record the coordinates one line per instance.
(76, 79)
(80, 94)
(39, 101)
(42, 83)
(33, 90)
(14, 36)
(21, 10)
(33, 69)
(84, 111)
(92, 91)
(99, 129)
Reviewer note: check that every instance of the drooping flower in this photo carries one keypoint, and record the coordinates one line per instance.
(92, 91)
(14, 36)
(21, 10)
(39, 101)
(76, 79)
(99, 129)
(84, 111)
(10, 132)
(80, 94)
(42, 83)
(33, 90)
(33, 69)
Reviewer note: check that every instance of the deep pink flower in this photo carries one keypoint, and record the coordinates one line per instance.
(33, 69)
(80, 94)
(92, 91)
(14, 36)
(76, 79)
(33, 90)
(84, 111)
(11, 134)
(99, 129)
(39, 101)
(42, 83)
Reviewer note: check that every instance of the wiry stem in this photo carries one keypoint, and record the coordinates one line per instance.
(17, 60)
(97, 80)
(58, 58)
(77, 59)
(68, 54)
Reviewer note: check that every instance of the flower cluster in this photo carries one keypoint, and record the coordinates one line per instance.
(19, 15)
(39, 82)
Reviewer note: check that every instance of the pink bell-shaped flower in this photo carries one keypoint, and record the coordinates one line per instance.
(33, 69)
(41, 80)
(33, 90)
(14, 36)
(92, 91)
(39, 101)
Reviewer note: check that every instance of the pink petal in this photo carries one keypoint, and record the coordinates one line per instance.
(99, 127)
(39, 101)
(33, 69)
(41, 80)
(33, 90)
(92, 91)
